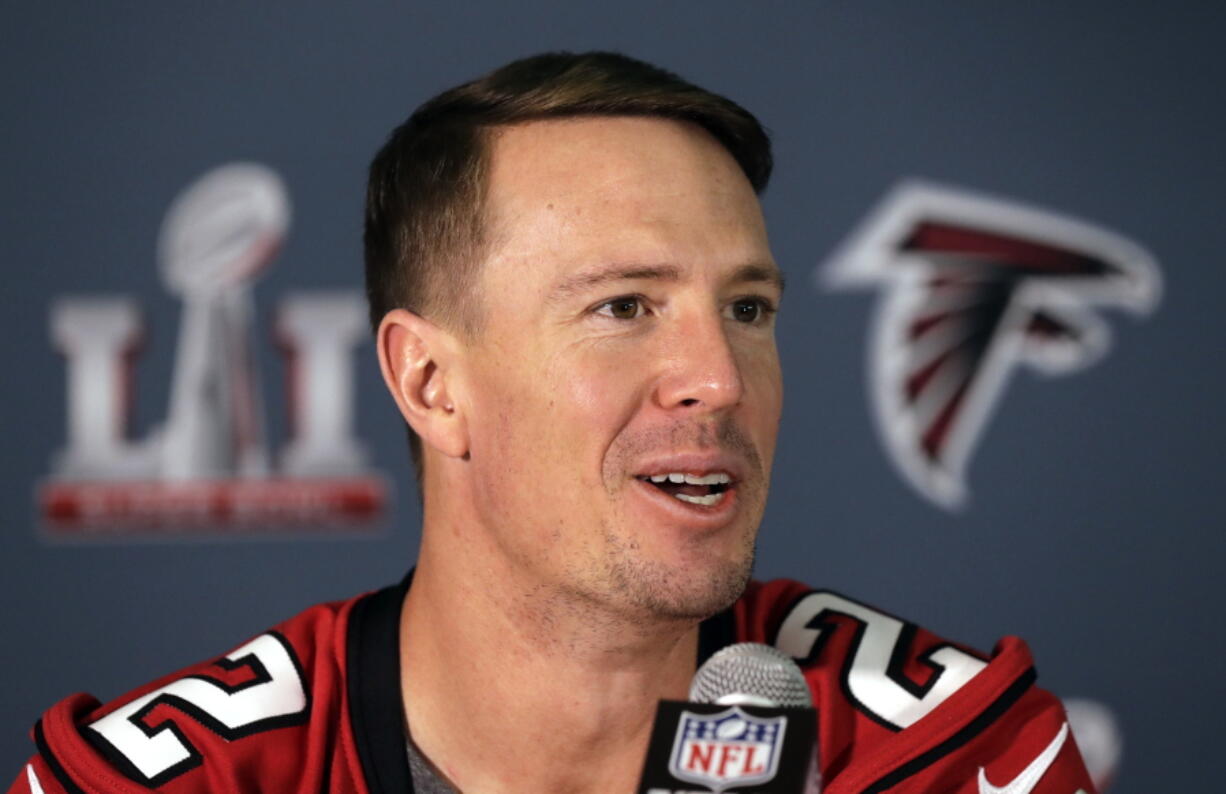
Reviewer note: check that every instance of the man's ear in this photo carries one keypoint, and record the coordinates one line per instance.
(417, 359)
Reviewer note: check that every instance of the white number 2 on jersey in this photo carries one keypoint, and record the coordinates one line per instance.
(873, 679)
(275, 697)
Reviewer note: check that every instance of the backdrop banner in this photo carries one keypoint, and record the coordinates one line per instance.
(1001, 227)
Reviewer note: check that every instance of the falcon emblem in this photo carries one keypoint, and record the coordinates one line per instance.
(972, 287)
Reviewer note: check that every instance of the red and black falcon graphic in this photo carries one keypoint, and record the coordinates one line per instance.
(973, 286)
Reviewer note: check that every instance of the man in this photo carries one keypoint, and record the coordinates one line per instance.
(573, 294)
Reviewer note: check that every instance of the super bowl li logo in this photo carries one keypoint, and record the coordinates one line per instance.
(209, 464)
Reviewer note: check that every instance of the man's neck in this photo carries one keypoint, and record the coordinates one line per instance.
(511, 689)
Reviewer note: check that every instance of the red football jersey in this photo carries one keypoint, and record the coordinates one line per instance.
(314, 705)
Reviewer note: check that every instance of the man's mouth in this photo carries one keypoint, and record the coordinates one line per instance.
(704, 489)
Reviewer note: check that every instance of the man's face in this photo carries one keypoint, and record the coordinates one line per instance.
(628, 334)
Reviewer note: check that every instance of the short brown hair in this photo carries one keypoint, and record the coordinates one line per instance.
(424, 201)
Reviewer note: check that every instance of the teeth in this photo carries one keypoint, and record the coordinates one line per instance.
(718, 478)
(699, 500)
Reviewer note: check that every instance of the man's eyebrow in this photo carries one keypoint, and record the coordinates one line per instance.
(768, 273)
(581, 282)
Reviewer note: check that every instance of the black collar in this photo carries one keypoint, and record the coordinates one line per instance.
(375, 711)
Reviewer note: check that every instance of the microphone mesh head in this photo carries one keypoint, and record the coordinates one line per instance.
(749, 668)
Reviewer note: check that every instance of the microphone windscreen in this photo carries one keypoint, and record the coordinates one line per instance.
(751, 673)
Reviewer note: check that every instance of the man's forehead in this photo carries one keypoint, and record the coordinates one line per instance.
(601, 198)
(557, 159)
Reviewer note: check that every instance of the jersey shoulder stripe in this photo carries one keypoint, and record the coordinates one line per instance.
(900, 708)
(270, 710)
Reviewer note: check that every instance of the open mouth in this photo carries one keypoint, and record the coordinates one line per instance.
(704, 490)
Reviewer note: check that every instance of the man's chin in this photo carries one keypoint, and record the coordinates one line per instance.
(686, 595)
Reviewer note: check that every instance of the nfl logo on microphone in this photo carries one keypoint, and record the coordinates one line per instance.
(728, 749)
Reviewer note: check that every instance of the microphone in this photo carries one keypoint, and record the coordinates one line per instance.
(749, 726)
(753, 674)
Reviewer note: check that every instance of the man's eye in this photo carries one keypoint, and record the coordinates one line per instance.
(627, 307)
(752, 310)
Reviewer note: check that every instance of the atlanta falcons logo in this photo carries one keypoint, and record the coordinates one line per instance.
(972, 287)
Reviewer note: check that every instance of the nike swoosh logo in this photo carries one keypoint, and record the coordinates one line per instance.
(1030, 776)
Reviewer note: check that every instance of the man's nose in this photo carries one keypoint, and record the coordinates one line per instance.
(702, 372)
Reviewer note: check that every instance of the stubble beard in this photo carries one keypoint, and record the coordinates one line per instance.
(655, 590)
(664, 591)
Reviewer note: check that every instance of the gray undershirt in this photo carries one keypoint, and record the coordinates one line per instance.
(426, 779)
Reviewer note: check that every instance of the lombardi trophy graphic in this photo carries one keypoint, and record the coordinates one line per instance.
(209, 464)
(217, 237)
